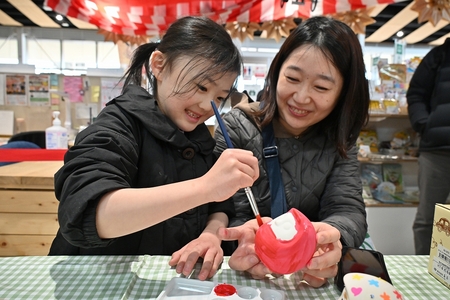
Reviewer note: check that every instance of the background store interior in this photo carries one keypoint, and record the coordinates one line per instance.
(75, 52)
(86, 54)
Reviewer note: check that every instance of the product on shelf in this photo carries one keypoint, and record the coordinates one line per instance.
(368, 137)
(371, 175)
(393, 173)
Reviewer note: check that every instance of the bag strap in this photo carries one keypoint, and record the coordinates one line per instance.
(270, 153)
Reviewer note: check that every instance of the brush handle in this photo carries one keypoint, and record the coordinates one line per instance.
(248, 190)
(222, 125)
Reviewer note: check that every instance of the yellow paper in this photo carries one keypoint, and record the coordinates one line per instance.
(95, 94)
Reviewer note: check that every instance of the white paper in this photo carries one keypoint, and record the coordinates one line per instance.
(86, 111)
(6, 122)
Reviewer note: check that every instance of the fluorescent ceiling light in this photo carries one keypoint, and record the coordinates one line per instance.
(268, 50)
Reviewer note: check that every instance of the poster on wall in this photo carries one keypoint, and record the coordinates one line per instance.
(54, 97)
(247, 72)
(38, 89)
(73, 86)
(110, 89)
(2, 89)
(16, 93)
(260, 71)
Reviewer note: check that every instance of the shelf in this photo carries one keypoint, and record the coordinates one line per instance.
(376, 203)
(388, 159)
(373, 117)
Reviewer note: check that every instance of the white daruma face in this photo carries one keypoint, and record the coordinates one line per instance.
(287, 243)
(284, 227)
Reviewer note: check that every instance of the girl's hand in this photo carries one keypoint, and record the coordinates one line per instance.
(244, 258)
(207, 246)
(235, 169)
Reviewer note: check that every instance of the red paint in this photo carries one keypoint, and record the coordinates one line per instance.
(224, 290)
(286, 257)
(258, 218)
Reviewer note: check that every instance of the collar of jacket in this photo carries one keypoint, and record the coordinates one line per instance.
(136, 101)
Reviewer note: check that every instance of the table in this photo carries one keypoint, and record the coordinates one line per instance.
(144, 277)
(28, 207)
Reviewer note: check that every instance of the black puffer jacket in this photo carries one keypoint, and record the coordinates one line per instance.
(317, 181)
(130, 145)
(429, 99)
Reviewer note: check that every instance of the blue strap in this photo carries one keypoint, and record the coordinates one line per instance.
(270, 153)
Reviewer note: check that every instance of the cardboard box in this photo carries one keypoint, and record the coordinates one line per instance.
(439, 264)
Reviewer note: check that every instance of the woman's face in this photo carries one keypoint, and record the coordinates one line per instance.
(189, 109)
(307, 90)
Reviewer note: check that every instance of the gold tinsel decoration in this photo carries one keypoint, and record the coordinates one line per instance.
(432, 10)
(277, 29)
(242, 30)
(115, 37)
(357, 19)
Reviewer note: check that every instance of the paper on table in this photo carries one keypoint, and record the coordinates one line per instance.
(6, 122)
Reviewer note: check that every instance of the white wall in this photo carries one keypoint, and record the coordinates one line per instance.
(391, 229)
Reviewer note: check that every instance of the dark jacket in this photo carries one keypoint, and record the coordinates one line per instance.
(130, 145)
(320, 184)
(428, 99)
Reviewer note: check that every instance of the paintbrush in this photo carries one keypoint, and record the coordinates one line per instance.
(248, 190)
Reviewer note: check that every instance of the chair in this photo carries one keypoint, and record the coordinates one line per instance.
(37, 137)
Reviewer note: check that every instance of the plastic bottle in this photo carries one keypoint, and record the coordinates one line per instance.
(56, 136)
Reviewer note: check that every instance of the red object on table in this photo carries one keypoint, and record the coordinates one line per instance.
(224, 290)
(286, 256)
(16, 155)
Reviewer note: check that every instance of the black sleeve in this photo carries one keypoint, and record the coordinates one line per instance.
(421, 89)
(341, 204)
(103, 159)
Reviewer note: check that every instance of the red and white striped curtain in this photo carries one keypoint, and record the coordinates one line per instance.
(140, 17)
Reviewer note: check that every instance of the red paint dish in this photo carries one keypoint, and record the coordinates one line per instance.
(294, 246)
(224, 289)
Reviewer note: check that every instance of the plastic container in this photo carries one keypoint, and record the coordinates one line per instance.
(56, 136)
(192, 289)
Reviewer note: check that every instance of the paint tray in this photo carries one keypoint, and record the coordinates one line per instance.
(193, 289)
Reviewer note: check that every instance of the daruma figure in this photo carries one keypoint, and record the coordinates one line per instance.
(287, 243)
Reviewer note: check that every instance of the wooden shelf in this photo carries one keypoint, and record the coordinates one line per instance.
(393, 159)
(376, 203)
(382, 117)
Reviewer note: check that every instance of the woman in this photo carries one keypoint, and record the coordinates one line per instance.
(316, 101)
(142, 179)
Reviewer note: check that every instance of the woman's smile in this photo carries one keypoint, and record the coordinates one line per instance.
(298, 112)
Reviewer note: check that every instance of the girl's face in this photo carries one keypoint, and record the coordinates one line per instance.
(188, 109)
(307, 90)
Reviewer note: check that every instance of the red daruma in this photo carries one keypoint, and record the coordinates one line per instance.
(287, 243)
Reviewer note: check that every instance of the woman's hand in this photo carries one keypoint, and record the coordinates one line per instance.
(323, 265)
(244, 257)
(207, 246)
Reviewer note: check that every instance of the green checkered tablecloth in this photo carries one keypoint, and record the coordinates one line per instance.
(144, 277)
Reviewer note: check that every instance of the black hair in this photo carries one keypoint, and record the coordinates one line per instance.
(341, 46)
(205, 42)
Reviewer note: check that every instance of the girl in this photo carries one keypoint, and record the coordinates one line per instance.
(143, 179)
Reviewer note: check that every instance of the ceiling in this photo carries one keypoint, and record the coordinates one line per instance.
(389, 20)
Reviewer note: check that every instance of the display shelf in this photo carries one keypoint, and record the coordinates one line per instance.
(388, 159)
(389, 222)
(374, 117)
(370, 202)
